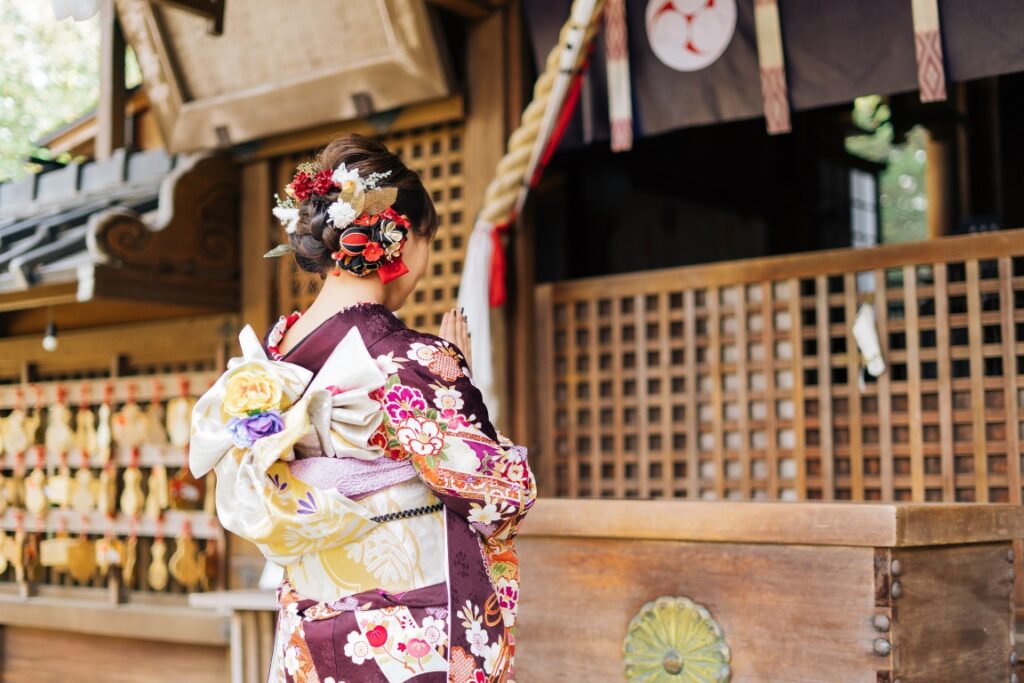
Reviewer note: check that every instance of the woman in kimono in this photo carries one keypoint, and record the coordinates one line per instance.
(358, 454)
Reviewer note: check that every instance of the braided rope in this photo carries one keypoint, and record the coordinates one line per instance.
(503, 191)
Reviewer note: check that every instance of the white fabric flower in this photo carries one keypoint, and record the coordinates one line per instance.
(288, 216)
(341, 214)
(477, 639)
(433, 631)
(291, 660)
(357, 648)
(391, 232)
(387, 363)
(448, 398)
(483, 515)
(490, 655)
(277, 332)
(420, 436)
(346, 179)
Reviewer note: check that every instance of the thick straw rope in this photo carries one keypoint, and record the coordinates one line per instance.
(506, 192)
(503, 191)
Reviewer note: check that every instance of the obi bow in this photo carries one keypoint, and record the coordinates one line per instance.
(259, 413)
(272, 406)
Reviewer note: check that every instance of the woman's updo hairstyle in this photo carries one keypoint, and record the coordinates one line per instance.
(315, 238)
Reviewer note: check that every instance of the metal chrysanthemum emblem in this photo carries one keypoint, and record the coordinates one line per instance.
(675, 640)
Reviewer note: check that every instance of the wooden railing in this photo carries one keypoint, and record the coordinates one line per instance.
(743, 379)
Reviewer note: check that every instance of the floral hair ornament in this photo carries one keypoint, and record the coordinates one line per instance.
(372, 232)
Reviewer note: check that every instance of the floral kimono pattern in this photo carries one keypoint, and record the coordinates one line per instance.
(375, 418)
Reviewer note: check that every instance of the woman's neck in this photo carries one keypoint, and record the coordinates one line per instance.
(337, 294)
(342, 291)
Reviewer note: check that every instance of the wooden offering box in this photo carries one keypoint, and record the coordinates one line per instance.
(769, 592)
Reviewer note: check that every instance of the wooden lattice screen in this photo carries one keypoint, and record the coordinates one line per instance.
(435, 153)
(742, 380)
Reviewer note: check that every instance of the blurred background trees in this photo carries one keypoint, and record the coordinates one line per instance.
(901, 186)
(49, 76)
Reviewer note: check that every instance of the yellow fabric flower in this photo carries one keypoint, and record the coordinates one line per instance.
(251, 390)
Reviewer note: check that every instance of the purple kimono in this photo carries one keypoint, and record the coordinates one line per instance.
(434, 447)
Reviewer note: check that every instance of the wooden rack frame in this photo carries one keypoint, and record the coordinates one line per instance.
(741, 380)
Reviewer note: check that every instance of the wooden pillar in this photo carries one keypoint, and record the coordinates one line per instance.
(110, 112)
(522, 373)
(258, 273)
(940, 183)
(485, 143)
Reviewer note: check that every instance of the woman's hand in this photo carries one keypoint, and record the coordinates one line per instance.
(455, 330)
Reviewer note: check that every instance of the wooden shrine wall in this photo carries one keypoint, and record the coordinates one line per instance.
(741, 380)
(436, 153)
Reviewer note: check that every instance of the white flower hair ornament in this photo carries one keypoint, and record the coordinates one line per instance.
(372, 232)
(289, 217)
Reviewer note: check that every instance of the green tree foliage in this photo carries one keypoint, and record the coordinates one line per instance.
(901, 193)
(49, 76)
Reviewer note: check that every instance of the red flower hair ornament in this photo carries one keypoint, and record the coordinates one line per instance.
(373, 234)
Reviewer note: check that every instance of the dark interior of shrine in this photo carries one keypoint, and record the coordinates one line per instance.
(730, 191)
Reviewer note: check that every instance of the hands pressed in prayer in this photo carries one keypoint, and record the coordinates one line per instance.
(454, 330)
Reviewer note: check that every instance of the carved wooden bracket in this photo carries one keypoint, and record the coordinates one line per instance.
(192, 240)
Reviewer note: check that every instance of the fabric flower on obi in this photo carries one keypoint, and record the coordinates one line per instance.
(251, 391)
(245, 430)
(421, 436)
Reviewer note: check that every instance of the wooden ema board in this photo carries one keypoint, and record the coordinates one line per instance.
(741, 380)
(436, 153)
(791, 608)
(143, 360)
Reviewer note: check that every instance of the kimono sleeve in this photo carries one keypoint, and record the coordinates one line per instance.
(435, 416)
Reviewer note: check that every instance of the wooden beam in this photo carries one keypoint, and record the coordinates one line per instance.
(467, 8)
(37, 297)
(149, 622)
(167, 341)
(209, 9)
(429, 113)
(79, 137)
(960, 248)
(110, 112)
(879, 525)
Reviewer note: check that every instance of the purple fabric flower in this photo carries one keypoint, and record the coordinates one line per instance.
(245, 430)
(402, 402)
